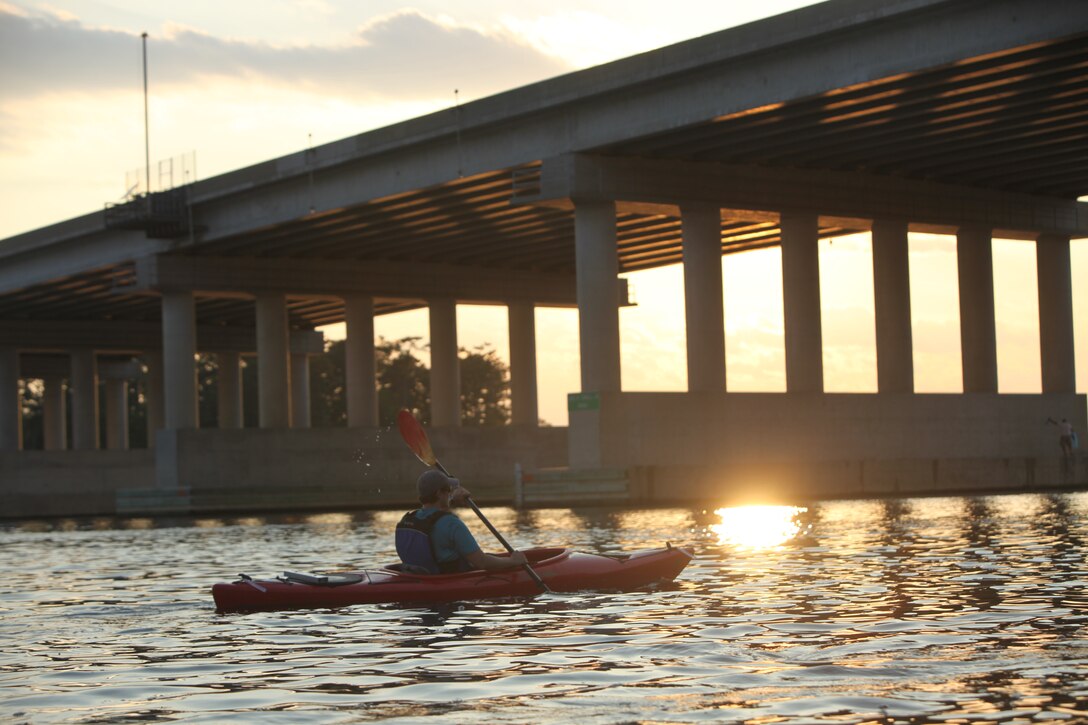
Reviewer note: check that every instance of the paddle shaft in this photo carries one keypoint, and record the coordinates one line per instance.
(529, 569)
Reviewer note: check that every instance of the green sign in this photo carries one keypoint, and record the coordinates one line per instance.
(583, 401)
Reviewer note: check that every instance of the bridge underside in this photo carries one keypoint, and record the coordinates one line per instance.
(1009, 120)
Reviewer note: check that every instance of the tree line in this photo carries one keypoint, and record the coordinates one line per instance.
(403, 381)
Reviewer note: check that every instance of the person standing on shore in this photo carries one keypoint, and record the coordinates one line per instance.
(1066, 436)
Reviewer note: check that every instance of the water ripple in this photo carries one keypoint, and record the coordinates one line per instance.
(899, 611)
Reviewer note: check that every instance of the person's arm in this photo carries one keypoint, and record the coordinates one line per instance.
(478, 559)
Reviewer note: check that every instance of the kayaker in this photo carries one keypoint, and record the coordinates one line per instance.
(433, 539)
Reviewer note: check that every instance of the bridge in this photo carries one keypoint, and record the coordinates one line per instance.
(964, 117)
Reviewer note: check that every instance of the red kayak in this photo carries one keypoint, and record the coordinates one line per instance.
(562, 569)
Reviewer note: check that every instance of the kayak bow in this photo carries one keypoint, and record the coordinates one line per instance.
(563, 570)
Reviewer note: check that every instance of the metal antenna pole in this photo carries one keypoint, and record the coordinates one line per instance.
(147, 140)
(457, 121)
(310, 157)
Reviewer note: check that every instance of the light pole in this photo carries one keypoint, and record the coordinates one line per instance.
(147, 140)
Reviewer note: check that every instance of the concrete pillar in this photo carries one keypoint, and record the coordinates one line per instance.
(445, 365)
(360, 369)
(230, 389)
(154, 395)
(179, 365)
(978, 336)
(703, 309)
(598, 295)
(273, 362)
(801, 303)
(300, 390)
(117, 415)
(891, 300)
(11, 404)
(83, 383)
(521, 319)
(1055, 314)
(54, 414)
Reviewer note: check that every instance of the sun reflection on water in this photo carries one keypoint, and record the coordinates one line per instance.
(757, 527)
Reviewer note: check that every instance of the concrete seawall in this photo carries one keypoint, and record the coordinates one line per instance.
(844, 446)
(754, 429)
(193, 471)
(69, 483)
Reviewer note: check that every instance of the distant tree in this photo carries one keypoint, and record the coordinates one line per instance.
(485, 387)
(251, 396)
(327, 387)
(137, 414)
(403, 380)
(207, 386)
(32, 393)
(33, 404)
(207, 376)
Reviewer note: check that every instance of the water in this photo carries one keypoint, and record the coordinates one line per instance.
(913, 610)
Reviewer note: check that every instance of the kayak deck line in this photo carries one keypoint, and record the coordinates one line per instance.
(336, 579)
(563, 569)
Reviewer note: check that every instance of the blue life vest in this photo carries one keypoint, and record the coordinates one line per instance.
(416, 548)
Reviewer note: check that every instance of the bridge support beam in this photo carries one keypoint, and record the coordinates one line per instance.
(179, 367)
(1056, 314)
(155, 394)
(54, 414)
(360, 369)
(598, 295)
(117, 414)
(445, 365)
(273, 362)
(230, 389)
(801, 303)
(704, 313)
(300, 390)
(11, 413)
(891, 298)
(978, 336)
(521, 319)
(84, 386)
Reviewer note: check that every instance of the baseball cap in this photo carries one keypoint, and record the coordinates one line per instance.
(432, 481)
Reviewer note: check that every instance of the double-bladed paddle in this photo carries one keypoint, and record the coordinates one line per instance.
(416, 438)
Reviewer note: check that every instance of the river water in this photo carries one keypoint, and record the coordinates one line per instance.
(893, 611)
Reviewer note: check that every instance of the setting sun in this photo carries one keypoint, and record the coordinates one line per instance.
(757, 527)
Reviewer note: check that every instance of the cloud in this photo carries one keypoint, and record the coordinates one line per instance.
(850, 326)
(8, 142)
(316, 6)
(938, 244)
(587, 38)
(404, 55)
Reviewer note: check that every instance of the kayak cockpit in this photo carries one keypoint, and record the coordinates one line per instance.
(546, 555)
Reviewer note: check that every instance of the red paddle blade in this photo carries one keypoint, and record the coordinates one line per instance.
(416, 438)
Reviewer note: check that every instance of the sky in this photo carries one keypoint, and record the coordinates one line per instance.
(240, 82)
